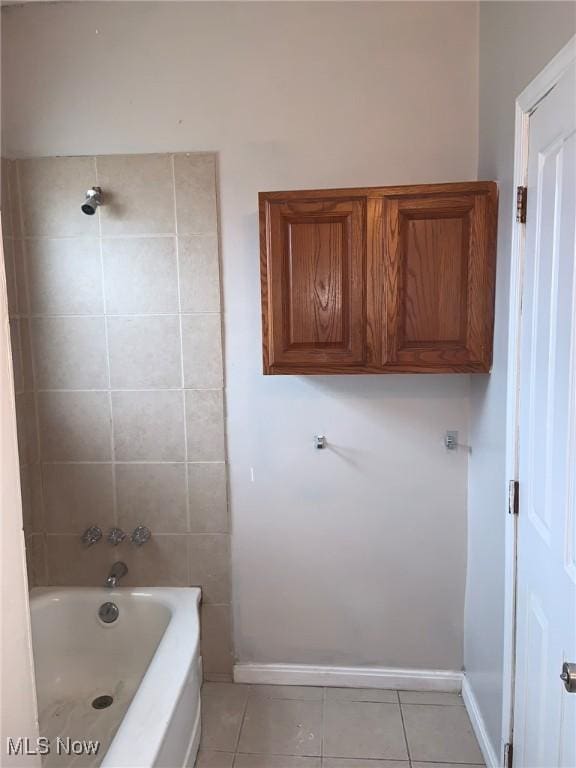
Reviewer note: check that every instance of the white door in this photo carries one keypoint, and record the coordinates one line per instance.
(545, 712)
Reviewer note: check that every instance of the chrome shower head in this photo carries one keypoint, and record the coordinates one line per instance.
(92, 201)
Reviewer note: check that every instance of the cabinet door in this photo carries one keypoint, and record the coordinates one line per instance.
(439, 280)
(313, 285)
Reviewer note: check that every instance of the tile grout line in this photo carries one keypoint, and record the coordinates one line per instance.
(34, 391)
(182, 379)
(322, 725)
(132, 461)
(159, 535)
(404, 728)
(131, 389)
(244, 712)
(127, 236)
(108, 367)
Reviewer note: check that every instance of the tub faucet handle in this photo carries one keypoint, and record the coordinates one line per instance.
(140, 535)
(91, 535)
(115, 536)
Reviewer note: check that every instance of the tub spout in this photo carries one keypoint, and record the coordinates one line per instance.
(117, 572)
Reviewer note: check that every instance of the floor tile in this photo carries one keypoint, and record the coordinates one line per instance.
(282, 727)
(361, 694)
(223, 706)
(211, 759)
(362, 729)
(443, 765)
(344, 762)
(430, 697)
(275, 761)
(301, 692)
(440, 734)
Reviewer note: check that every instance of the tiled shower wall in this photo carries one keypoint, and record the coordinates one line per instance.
(118, 367)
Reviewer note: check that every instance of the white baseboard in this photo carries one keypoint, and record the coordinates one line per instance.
(349, 677)
(490, 756)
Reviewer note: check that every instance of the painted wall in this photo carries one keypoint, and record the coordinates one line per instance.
(516, 40)
(354, 555)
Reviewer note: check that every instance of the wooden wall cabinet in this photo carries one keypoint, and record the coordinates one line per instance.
(379, 280)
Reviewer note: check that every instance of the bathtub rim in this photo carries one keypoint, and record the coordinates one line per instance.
(141, 732)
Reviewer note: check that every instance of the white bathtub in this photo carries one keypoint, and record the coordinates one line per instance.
(147, 660)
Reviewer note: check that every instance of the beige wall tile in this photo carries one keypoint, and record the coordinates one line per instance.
(139, 194)
(21, 424)
(202, 351)
(14, 190)
(52, 191)
(16, 348)
(216, 642)
(5, 195)
(32, 503)
(10, 267)
(19, 251)
(208, 502)
(199, 273)
(148, 426)
(74, 426)
(71, 562)
(65, 276)
(27, 428)
(145, 352)
(210, 566)
(36, 560)
(77, 496)
(205, 424)
(70, 352)
(26, 348)
(36, 497)
(195, 177)
(26, 496)
(140, 275)
(129, 273)
(161, 562)
(152, 495)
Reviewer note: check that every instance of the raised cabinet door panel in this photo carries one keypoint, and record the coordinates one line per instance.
(314, 285)
(439, 281)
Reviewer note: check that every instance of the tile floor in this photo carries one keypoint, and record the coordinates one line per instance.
(273, 726)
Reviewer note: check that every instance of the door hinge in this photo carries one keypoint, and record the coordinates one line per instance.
(513, 497)
(508, 755)
(521, 202)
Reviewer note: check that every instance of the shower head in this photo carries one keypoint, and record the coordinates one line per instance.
(92, 201)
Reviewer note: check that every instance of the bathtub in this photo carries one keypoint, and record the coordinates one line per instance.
(147, 661)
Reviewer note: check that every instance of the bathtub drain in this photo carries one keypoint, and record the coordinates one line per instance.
(108, 612)
(101, 702)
